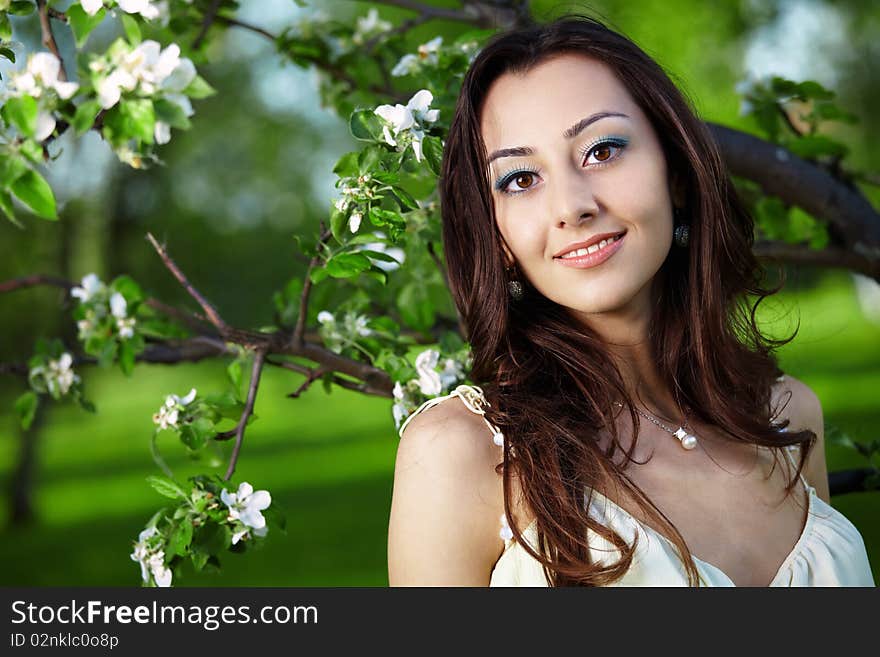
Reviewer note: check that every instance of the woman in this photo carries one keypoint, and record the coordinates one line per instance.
(633, 427)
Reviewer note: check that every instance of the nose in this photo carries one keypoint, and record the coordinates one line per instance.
(572, 198)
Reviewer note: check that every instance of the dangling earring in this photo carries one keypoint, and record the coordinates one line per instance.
(514, 287)
(681, 233)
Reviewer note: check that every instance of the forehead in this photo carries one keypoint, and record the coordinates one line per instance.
(530, 108)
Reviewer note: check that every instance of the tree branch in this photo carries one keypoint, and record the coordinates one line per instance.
(830, 257)
(797, 182)
(212, 314)
(256, 372)
(48, 38)
(207, 21)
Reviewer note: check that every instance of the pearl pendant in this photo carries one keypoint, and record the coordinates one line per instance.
(687, 440)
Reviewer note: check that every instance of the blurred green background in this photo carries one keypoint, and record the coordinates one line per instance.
(254, 171)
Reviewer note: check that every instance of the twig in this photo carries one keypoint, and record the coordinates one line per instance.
(212, 314)
(297, 339)
(49, 38)
(313, 375)
(234, 22)
(207, 21)
(34, 280)
(256, 371)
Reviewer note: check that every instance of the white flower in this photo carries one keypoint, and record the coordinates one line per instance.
(245, 534)
(89, 287)
(125, 327)
(91, 7)
(354, 222)
(369, 25)
(169, 413)
(342, 204)
(427, 53)
(325, 317)
(451, 373)
(151, 558)
(413, 118)
(161, 573)
(117, 305)
(143, 7)
(41, 74)
(246, 505)
(402, 403)
(429, 380)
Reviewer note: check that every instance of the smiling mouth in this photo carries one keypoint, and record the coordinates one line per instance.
(593, 255)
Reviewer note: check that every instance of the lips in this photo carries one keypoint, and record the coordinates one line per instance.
(586, 244)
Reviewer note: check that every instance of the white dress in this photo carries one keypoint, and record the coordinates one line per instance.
(829, 552)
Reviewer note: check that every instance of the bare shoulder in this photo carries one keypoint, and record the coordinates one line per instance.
(447, 500)
(802, 407)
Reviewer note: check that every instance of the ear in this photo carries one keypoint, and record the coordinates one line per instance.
(509, 260)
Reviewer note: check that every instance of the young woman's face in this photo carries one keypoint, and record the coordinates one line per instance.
(585, 163)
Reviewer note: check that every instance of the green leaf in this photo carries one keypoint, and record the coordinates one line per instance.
(22, 113)
(26, 408)
(432, 148)
(8, 210)
(212, 538)
(128, 288)
(172, 114)
(192, 438)
(347, 165)
(404, 199)
(365, 125)
(379, 255)
(85, 116)
(8, 54)
(180, 539)
(318, 274)
(368, 160)
(199, 559)
(11, 168)
(140, 119)
(21, 8)
(126, 357)
(233, 371)
(82, 24)
(812, 146)
(132, 29)
(167, 487)
(415, 306)
(199, 88)
(5, 26)
(33, 190)
(346, 265)
(338, 222)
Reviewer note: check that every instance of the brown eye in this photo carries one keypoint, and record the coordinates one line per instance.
(524, 180)
(603, 152)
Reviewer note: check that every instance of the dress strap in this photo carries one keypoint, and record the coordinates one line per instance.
(475, 401)
(788, 449)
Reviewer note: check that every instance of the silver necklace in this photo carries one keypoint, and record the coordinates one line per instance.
(687, 440)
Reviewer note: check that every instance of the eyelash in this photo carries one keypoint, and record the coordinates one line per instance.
(506, 179)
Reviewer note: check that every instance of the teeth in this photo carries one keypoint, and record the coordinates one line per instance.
(592, 249)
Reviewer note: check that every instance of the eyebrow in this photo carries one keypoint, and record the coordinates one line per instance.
(572, 132)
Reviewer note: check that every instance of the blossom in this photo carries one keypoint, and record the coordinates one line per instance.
(125, 325)
(354, 222)
(325, 317)
(246, 505)
(145, 8)
(246, 532)
(427, 53)
(429, 379)
(400, 409)
(168, 414)
(369, 25)
(91, 7)
(412, 119)
(151, 558)
(90, 286)
(56, 376)
(149, 69)
(42, 74)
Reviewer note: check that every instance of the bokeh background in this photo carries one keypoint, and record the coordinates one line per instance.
(256, 170)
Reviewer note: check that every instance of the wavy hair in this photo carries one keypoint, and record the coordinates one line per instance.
(551, 381)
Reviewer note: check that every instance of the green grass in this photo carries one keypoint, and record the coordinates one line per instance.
(328, 461)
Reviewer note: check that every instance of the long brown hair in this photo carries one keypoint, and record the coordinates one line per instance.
(552, 382)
